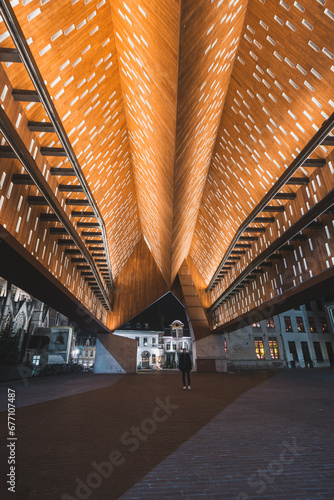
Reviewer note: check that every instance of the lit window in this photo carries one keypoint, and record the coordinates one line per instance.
(288, 325)
(145, 342)
(324, 326)
(273, 347)
(36, 360)
(270, 323)
(256, 325)
(146, 326)
(225, 347)
(313, 327)
(259, 347)
(300, 324)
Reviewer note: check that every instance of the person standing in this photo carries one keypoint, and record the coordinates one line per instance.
(185, 365)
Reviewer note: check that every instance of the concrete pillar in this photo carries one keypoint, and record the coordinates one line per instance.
(115, 354)
(209, 354)
(208, 348)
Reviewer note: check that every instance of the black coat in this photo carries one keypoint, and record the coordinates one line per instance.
(185, 364)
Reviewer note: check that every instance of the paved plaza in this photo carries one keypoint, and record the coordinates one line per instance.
(232, 436)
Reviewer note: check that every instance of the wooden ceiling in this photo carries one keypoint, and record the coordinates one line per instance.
(182, 113)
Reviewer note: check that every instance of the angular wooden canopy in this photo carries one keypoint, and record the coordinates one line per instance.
(182, 114)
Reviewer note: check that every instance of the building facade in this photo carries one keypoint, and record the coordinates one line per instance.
(83, 351)
(175, 338)
(298, 338)
(160, 347)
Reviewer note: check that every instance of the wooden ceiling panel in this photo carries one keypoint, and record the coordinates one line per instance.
(182, 115)
(73, 45)
(146, 35)
(208, 42)
(279, 95)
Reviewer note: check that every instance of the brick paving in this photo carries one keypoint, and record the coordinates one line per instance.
(233, 436)
(275, 441)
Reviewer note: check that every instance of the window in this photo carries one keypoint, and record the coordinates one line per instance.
(324, 326)
(35, 360)
(185, 345)
(300, 324)
(313, 327)
(91, 354)
(168, 346)
(145, 342)
(146, 326)
(288, 325)
(225, 347)
(318, 351)
(179, 346)
(153, 359)
(256, 325)
(174, 346)
(85, 354)
(127, 325)
(273, 347)
(259, 347)
(137, 338)
(154, 341)
(293, 351)
(270, 323)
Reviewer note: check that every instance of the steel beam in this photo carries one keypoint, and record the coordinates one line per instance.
(27, 58)
(307, 219)
(300, 159)
(18, 146)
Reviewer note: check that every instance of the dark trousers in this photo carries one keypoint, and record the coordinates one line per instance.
(184, 377)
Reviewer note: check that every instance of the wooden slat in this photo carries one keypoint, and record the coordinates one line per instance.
(45, 151)
(48, 217)
(23, 179)
(62, 172)
(298, 181)
(9, 55)
(70, 188)
(77, 202)
(81, 213)
(7, 152)
(40, 126)
(37, 200)
(25, 95)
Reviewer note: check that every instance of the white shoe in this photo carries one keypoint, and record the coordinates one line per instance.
(189, 387)
(184, 387)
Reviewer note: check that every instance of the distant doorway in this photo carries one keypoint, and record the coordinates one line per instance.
(306, 354)
(330, 353)
(145, 359)
(293, 352)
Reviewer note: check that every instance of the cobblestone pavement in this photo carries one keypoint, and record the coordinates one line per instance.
(233, 436)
